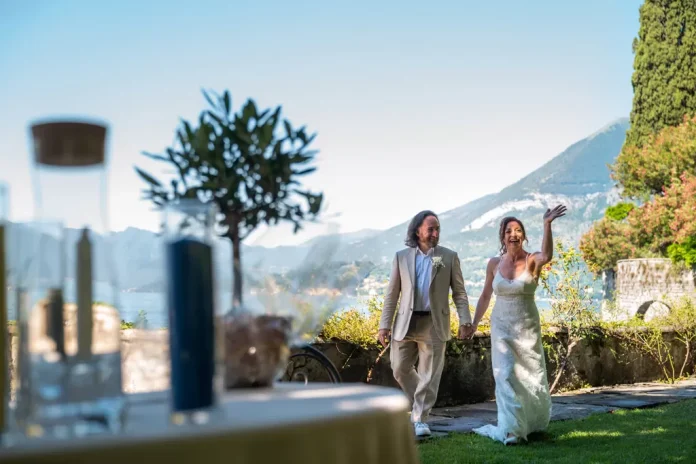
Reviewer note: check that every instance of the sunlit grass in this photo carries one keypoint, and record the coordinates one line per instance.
(662, 434)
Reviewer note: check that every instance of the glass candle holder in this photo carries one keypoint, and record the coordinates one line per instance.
(41, 366)
(4, 333)
(21, 274)
(73, 322)
(42, 354)
(188, 241)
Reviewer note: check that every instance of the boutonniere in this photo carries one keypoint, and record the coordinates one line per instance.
(437, 262)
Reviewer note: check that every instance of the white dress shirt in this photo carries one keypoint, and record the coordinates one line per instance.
(424, 269)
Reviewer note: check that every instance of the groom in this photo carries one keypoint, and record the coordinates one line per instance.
(422, 275)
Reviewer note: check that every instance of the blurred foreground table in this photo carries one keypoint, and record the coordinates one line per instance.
(315, 423)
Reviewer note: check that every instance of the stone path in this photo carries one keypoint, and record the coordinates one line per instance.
(571, 405)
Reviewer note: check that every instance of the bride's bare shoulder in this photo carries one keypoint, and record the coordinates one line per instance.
(493, 262)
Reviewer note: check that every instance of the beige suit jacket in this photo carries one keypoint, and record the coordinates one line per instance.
(399, 300)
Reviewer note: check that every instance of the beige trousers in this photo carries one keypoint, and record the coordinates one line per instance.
(420, 386)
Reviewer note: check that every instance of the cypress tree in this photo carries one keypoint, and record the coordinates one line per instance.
(664, 77)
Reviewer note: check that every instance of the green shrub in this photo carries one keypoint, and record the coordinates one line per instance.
(361, 327)
(683, 252)
(355, 326)
(619, 212)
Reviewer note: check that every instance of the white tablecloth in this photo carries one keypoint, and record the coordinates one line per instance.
(315, 423)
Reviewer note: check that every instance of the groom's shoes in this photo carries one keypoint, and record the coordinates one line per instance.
(421, 429)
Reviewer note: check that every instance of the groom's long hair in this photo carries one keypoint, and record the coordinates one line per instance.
(411, 233)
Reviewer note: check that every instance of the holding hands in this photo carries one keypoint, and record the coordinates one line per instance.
(467, 331)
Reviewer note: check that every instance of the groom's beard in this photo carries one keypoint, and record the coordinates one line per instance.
(430, 243)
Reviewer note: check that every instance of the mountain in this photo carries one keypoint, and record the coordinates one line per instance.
(578, 178)
(137, 256)
(346, 238)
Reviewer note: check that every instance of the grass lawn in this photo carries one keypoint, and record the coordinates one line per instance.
(662, 434)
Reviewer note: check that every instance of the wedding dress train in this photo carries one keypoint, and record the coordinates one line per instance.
(519, 367)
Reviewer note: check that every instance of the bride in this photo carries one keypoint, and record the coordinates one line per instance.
(519, 368)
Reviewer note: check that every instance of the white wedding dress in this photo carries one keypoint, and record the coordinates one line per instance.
(519, 367)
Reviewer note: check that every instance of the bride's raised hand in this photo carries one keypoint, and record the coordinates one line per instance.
(555, 213)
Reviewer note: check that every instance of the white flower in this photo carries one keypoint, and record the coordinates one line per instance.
(437, 262)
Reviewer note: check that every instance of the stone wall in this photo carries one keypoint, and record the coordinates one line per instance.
(641, 282)
(467, 376)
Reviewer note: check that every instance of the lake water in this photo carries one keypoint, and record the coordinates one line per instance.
(153, 304)
(130, 304)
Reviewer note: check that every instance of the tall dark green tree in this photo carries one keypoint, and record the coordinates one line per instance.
(249, 164)
(664, 77)
(659, 146)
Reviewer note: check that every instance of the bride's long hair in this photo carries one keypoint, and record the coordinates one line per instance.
(501, 233)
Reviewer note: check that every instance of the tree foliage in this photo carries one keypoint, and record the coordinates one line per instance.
(665, 226)
(668, 224)
(650, 169)
(619, 212)
(681, 198)
(659, 154)
(664, 77)
(606, 243)
(248, 163)
(684, 252)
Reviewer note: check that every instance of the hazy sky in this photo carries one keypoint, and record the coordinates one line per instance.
(416, 105)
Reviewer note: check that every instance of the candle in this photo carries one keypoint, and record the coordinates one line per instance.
(191, 325)
(54, 320)
(84, 296)
(22, 305)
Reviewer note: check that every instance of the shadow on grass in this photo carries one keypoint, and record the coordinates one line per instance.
(539, 437)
